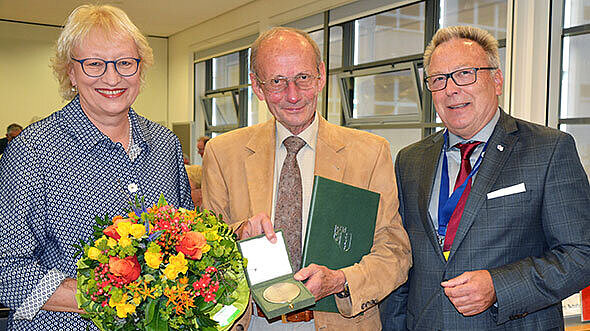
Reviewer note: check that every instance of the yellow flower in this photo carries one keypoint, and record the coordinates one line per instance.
(178, 264)
(152, 259)
(137, 230)
(113, 300)
(206, 248)
(179, 261)
(125, 308)
(123, 228)
(137, 299)
(94, 253)
(124, 241)
(112, 243)
(212, 235)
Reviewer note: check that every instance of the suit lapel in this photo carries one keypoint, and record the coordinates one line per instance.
(427, 174)
(260, 168)
(492, 164)
(329, 159)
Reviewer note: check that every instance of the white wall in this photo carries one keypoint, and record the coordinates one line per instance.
(29, 91)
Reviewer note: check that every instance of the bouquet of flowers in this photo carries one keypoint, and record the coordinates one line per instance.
(162, 268)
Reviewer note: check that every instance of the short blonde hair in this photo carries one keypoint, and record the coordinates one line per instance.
(111, 21)
(195, 174)
(273, 32)
(480, 36)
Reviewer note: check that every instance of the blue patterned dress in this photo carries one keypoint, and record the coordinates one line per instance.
(57, 175)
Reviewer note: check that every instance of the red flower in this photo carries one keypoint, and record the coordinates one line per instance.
(191, 244)
(111, 230)
(127, 268)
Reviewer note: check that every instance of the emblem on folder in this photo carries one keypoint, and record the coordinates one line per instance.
(342, 237)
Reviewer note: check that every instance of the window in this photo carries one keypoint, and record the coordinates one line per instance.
(574, 105)
(382, 94)
(375, 71)
(227, 97)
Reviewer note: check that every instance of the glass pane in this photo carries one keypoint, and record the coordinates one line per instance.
(486, 14)
(226, 71)
(581, 133)
(398, 138)
(575, 84)
(223, 111)
(576, 12)
(390, 93)
(318, 37)
(252, 107)
(334, 105)
(502, 55)
(335, 44)
(391, 34)
(336, 47)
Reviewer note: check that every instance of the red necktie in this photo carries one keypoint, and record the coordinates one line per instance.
(466, 150)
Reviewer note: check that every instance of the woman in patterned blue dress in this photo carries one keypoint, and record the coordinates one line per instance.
(84, 160)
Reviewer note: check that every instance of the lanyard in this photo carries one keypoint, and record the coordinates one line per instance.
(446, 204)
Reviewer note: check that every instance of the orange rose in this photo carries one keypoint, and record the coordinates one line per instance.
(127, 268)
(111, 230)
(191, 245)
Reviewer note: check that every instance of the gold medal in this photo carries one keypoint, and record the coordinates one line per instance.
(281, 292)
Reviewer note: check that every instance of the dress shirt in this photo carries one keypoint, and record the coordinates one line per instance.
(306, 162)
(61, 173)
(454, 164)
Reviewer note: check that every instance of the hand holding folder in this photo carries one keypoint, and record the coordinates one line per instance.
(340, 228)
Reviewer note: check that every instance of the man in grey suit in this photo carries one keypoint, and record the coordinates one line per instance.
(497, 209)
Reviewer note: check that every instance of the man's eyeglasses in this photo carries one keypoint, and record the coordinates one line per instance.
(279, 83)
(94, 67)
(461, 77)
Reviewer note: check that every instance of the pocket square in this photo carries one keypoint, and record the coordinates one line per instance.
(518, 188)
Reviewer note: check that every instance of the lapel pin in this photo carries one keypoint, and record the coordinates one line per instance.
(500, 148)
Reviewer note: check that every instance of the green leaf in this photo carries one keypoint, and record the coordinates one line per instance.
(156, 323)
(162, 201)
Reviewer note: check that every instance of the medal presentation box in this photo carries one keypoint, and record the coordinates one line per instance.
(270, 276)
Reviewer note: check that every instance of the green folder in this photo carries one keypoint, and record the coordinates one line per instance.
(340, 228)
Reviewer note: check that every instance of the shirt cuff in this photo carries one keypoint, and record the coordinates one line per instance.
(40, 294)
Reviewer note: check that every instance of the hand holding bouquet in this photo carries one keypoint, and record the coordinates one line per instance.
(162, 268)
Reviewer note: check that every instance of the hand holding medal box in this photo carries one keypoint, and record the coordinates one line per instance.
(270, 276)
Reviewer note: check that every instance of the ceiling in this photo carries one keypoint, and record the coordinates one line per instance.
(153, 17)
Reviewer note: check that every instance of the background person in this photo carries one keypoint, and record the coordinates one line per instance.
(254, 172)
(517, 238)
(195, 174)
(12, 131)
(201, 143)
(85, 160)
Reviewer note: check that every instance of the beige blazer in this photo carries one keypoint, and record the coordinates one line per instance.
(238, 183)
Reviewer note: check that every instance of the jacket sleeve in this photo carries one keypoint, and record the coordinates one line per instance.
(386, 267)
(536, 282)
(22, 232)
(393, 308)
(213, 185)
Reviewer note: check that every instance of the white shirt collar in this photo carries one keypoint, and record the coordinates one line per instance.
(309, 135)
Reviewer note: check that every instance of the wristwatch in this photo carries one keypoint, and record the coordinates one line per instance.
(345, 293)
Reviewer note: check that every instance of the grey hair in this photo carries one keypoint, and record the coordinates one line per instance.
(480, 36)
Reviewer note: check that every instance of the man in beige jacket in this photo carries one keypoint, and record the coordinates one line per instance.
(241, 175)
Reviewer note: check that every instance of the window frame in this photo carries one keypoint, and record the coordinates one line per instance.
(346, 96)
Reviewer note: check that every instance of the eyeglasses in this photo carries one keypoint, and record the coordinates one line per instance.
(280, 83)
(94, 67)
(461, 77)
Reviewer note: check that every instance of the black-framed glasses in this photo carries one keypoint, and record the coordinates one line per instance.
(278, 84)
(95, 67)
(461, 77)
